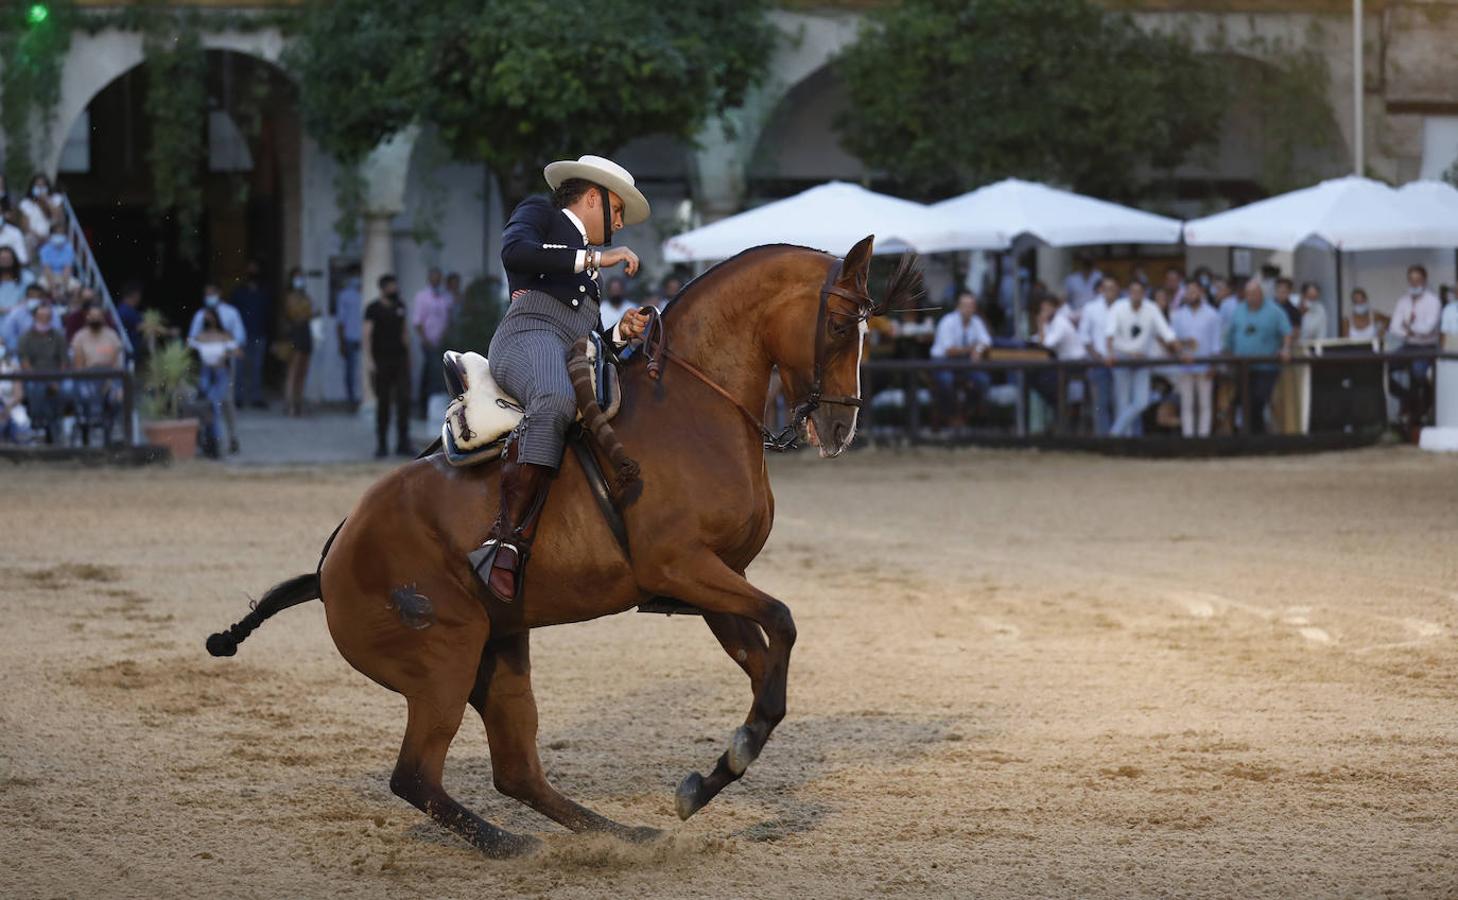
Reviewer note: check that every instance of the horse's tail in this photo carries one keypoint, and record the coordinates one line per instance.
(579, 370)
(299, 589)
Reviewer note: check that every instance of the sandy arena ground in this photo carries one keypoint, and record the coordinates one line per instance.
(1017, 675)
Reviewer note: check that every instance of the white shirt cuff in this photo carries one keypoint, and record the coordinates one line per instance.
(618, 339)
(581, 262)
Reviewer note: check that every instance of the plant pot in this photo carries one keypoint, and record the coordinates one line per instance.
(179, 436)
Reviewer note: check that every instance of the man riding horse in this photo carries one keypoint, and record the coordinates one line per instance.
(552, 272)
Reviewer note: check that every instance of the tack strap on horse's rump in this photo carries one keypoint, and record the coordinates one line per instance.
(595, 421)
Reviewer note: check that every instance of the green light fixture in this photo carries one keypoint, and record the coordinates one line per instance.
(37, 13)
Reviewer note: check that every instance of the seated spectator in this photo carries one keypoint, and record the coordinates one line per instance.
(1093, 319)
(97, 346)
(43, 349)
(81, 302)
(1058, 332)
(217, 347)
(14, 420)
(14, 279)
(1415, 320)
(57, 256)
(1135, 330)
(6, 201)
(1313, 313)
(962, 335)
(18, 321)
(1364, 324)
(1196, 325)
(12, 237)
(36, 211)
(1259, 328)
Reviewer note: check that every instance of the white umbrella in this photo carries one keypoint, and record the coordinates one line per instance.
(1016, 209)
(1345, 214)
(1435, 202)
(831, 217)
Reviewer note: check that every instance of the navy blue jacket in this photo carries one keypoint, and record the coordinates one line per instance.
(539, 251)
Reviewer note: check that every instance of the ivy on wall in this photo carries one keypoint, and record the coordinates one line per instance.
(176, 107)
(33, 54)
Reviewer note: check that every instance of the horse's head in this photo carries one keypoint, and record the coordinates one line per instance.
(822, 378)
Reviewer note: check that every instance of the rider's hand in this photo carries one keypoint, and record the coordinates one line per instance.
(614, 255)
(631, 325)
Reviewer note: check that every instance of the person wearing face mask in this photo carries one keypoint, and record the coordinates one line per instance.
(43, 349)
(254, 304)
(1363, 324)
(36, 211)
(96, 346)
(1313, 313)
(216, 350)
(57, 256)
(231, 322)
(298, 313)
(18, 321)
(387, 362)
(430, 314)
(1415, 321)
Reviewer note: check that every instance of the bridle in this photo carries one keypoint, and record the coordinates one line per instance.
(655, 347)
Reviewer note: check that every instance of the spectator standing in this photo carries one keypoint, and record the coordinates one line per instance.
(97, 346)
(1197, 326)
(217, 351)
(1415, 319)
(43, 349)
(349, 320)
(1448, 322)
(1093, 319)
(430, 315)
(1082, 284)
(1224, 299)
(298, 315)
(1174, 285)
(229, 320)
(13, 281)
(12, 237)
(6, 201)
(453, 288)
(1313, 313)
(1287, 300)
(614, 304)
(254, 304)
(1134, 330)
(1363, 324)
(14, 420)
(961, 334)
(1058, 332)
(1259, 328)
(389, 365)
(129, 311)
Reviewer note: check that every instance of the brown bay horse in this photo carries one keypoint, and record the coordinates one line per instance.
(404, 608)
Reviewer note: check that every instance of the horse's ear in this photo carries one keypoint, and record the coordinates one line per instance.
(857, 263)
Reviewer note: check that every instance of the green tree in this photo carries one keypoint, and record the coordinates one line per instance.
(515, 84)
(946, 95)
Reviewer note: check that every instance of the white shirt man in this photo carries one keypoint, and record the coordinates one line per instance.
(1134, 330)
(960, 333)
(1198, 327)
(1061, 335)
(1415, 317)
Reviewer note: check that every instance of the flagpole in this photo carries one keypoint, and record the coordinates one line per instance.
(1359, 137)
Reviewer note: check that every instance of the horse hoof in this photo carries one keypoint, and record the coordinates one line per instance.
(686, 798)
(641, 835)
(515, 845)
(741, 750)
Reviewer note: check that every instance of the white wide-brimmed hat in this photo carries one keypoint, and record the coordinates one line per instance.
(603, 171)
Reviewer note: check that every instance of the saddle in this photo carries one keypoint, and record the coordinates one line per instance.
(481, 416)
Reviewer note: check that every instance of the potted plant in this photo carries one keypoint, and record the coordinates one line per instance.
(165, 383)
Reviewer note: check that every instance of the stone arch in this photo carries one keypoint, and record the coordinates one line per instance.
(798, 142)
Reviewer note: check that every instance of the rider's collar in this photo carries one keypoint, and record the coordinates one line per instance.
(572, 217)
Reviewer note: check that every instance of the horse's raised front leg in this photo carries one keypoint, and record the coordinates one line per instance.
(503, 697)
(735, 607)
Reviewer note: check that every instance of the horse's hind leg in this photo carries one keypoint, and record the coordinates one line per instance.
(417, 777)
(503, 696)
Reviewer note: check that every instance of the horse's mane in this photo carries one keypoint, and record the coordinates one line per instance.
(713, 270)
(903, 288)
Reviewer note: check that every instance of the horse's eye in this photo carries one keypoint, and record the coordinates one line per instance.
(839, 328)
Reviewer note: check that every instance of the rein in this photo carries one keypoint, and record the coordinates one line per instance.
(655, 348)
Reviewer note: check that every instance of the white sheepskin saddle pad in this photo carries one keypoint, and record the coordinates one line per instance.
(479, 419)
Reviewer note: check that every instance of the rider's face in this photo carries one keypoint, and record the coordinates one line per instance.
(594, 221)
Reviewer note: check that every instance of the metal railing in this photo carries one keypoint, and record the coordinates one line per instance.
(127, 415)
(910, 375)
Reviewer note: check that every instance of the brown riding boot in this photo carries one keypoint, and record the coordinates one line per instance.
(500, 562)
